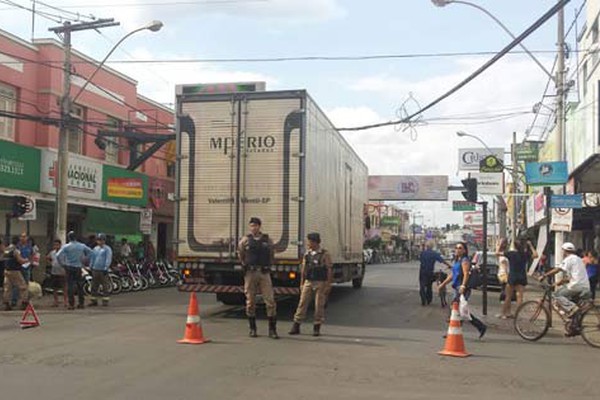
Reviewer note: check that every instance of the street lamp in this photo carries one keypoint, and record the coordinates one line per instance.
(443, 3)
(465, 134)
(152, 26)
(63, 136)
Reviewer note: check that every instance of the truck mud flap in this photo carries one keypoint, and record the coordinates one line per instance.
(204, 288)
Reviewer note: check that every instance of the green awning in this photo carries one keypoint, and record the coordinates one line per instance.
(112, 222)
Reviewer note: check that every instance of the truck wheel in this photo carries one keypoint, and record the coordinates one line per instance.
(231, 299)
(358, 282)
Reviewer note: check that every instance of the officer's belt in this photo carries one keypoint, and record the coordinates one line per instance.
(258, 267)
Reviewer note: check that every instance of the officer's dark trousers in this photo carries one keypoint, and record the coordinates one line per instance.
(425, 290)
(74, 281)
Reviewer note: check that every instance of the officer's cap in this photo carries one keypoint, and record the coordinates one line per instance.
(314, 237)
(255, 220)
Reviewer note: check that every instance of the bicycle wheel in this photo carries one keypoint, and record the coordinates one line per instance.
(532, 320)
(590, 326)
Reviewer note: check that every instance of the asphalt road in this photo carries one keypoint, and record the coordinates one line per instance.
(378, 343)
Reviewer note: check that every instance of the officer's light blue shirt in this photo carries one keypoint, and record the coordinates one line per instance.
(101, 258)
(71, 254)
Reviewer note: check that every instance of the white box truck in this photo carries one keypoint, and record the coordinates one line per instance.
(272, 155)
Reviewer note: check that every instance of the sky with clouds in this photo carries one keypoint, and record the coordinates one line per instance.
(353, 93)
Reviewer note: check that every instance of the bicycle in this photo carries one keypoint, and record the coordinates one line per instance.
(532, 318)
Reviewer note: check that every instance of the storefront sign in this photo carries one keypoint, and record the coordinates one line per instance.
(19, 167)
(562, 220)
(146, 221)
(158, 196)
(566, 201)
(31, 210)
(546, 173)
(124, 186)
(390, 221)
(468, 159)
(416, 187)
(539, 207)
(489, 183)
(84, 175)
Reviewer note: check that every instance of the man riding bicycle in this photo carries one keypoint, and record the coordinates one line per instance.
(574, 284)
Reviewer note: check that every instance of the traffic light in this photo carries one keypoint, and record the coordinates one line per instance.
(20, 206)
(470, 193)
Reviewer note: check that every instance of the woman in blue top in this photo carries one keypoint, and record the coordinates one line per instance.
(459, 277)
(593, 269)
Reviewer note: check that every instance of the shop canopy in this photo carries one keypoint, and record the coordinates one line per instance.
(112, 222)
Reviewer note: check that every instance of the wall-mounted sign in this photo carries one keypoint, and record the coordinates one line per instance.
(84, 175)
(416, 187)
(546, 173)
(472, 219)
(390, 221)
(468, 159)
(146, 221)
(124, 186)
(19, 167)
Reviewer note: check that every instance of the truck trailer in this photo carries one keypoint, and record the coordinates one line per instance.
(268, 154)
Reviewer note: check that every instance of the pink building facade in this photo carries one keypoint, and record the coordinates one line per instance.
(101, 188)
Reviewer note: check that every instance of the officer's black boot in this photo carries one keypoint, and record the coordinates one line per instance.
(295, 329)
(252, 323)
(317, 330)
(273, 328)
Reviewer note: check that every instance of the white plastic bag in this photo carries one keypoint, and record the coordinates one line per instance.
(463, 308)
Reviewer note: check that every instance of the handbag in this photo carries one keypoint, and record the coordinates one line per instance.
(475, 278)
(463, 308)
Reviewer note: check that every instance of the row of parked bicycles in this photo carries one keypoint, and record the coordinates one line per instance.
(129, 276)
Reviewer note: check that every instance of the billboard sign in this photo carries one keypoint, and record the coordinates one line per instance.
(469, 159)
(546, 173)
(84, 175)
(491, 164)
(528, 151)
(473, 218)
(405, 187)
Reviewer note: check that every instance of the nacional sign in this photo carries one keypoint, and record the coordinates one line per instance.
(415, 187)
(84, 175)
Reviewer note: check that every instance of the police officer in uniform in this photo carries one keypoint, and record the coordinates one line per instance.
(256, 252)
(316, 276)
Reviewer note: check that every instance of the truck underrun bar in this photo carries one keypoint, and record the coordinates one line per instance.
(204, 288)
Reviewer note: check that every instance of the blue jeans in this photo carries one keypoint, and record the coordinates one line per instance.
(477, 323)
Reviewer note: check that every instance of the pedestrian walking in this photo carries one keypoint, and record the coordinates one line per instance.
(518, 262)
(428, 258)
(70, 256)
(256, 253)
(593, 270)
(316, 277)
(459, 277)
(503, 270)
(100, 263)
(13, 276)
(58, 273)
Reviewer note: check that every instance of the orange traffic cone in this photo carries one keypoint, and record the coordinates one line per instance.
(455, 344)
(29, 311)
(193, 326)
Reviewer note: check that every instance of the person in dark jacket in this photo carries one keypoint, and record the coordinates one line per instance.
(256, 253)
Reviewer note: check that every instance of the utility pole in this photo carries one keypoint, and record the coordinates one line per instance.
(515, 181)
(62, 188)
(560, 117)
(484, 265)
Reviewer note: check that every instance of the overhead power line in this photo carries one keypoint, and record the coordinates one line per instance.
(549, 14)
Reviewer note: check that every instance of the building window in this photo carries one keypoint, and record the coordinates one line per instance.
(8, 104)
(111, 153)
(170, 170)
(76, 129)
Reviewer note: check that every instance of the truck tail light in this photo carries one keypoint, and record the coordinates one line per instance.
(292, 275)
